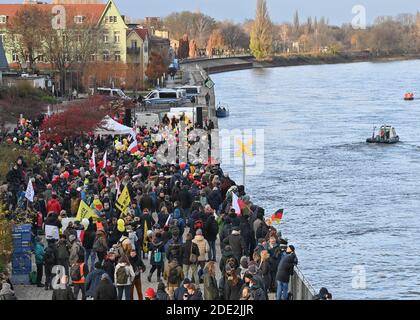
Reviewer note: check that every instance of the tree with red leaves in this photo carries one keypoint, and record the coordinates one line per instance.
(79, 118)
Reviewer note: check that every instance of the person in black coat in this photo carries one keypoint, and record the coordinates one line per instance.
(185, 200)
(186, 252)
(161, 293)
(237, 243)
(194, 293)
(109, 265)
(210, 231)
(106, 290)
(182, 290)
(64, 292)
(284, 271)
(215, 198)
(247, 234)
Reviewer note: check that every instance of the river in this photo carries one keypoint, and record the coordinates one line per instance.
(351, 209)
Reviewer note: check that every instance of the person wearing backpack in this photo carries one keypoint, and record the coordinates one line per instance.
(106, 290)
(204, 249)
(63, 253)
(157, 249)
(124, 277)
(93, 280)
(100, 246)
(39, 260)
(50, 260)
(76, 250)
(138, 267)
(174, 276)
(78, 273)
(189, 253)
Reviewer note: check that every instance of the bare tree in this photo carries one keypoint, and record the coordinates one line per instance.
(234, 37)
(25, 35)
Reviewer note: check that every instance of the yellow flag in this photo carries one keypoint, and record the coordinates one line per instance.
(145, 239)
(123, 200)
(84, 212)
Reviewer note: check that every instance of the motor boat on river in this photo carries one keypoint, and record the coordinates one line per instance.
(222, 111)
(385, 134)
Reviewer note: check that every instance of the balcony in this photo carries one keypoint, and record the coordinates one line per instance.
(133, 50)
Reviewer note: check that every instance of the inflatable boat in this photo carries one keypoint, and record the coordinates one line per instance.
(386, 134)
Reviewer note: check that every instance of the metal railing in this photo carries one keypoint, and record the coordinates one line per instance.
(299, 286)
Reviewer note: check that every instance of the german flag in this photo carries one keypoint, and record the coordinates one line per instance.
(277, 216)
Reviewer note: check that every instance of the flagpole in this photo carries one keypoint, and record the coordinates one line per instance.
(243, 161)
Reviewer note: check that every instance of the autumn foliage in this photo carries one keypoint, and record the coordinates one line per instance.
(156, 67)
(78, 118)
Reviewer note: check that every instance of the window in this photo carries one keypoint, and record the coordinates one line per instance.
(15, 57)
(168, 95)
(134, 44)
(117, 56)
(111, 19)
(93, 57)
(3, 19)
(106, 55)
(105, 38)
(79, 19)
(2, 37)
(117, 37)
(146, 49)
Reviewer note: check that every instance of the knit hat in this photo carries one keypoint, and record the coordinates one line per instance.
(244, 262)
(253, 269)
(150, 293)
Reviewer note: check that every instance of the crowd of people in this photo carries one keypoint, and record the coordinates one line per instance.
(177, 216)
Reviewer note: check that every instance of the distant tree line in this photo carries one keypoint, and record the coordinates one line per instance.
(387, 35)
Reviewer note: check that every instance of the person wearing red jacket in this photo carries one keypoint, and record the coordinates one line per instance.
(54, 205)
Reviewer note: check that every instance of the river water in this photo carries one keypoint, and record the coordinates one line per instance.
(352, 209)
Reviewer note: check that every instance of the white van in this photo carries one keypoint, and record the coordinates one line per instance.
(113, 93)
(192, 92)
(169, 97)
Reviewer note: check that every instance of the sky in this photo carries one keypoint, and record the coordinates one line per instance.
(338, 11)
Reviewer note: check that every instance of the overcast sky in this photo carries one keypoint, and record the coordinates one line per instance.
(338, 11)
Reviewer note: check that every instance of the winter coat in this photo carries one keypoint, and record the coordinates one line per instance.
(89, 238)
(138, 265)
(109, 268)
(227, 255)
(185, 198)
(203, 246)
(211, 291)
(39, 253)
(215, 199)
(74, 252)
(210, 229)
(63, 294)
(105, 291)
(161, 293)
(237, 244)
(92, 281)
(197, 295)
(233, 291)
(180, 274)
(130, 272)
(258, 293)
(186, 251)
(286, 267)
(265, 270)
(54, 206)
(179, 293)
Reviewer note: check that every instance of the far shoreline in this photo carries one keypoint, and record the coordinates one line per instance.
(229, 64)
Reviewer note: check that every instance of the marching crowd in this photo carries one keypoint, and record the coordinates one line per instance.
(174, 218)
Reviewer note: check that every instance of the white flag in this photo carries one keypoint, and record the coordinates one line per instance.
(105, 160)
(30, 193)
(235, 203)
(93, 162)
